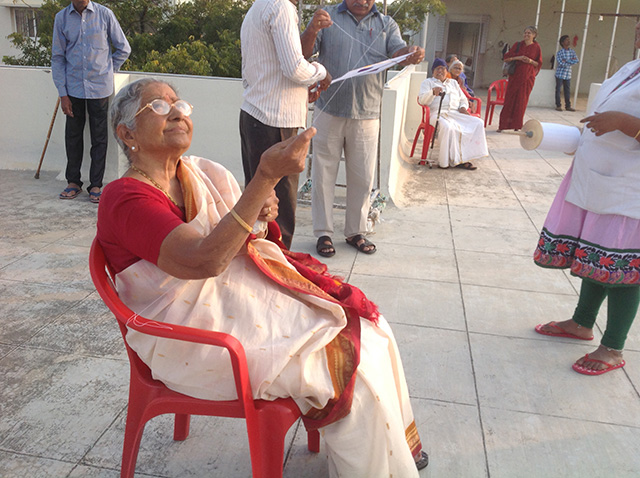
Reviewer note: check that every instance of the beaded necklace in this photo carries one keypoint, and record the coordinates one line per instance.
(142, 173)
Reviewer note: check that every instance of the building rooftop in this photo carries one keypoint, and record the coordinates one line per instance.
(453, 275)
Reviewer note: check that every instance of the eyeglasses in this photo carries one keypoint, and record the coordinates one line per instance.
(161, 107)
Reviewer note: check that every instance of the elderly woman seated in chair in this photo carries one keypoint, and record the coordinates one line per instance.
(461, 136)
(188, 247)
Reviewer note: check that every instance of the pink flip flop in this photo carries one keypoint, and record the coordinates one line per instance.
(560, 332)
(587, 371)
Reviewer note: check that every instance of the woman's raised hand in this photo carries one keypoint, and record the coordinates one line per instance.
(286, 157)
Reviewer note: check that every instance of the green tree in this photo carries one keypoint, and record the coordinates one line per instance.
(409, 14)
(200, 37)
(215, 24)
(37, 51)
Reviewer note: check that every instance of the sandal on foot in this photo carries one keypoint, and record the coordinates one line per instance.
(587, 371)
(95, 197)
(360, 242)
(467, 166)
(324, 246)
(70, 193)
(423, 461)
(558, 332)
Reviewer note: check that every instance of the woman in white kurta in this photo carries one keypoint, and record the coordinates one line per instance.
(593, 226)
(460, 135)
(178, 233)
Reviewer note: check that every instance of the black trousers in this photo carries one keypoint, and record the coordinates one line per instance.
(74, 139)
(256, 138)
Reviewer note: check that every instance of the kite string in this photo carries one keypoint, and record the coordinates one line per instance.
(368, 47)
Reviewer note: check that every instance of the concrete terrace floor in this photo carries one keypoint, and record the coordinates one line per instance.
(454, 276)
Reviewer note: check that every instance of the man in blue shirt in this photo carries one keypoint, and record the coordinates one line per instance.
(565, 58)
(347, 115)
(82, 65)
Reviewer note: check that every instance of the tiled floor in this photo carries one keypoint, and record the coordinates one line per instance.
(453, 275)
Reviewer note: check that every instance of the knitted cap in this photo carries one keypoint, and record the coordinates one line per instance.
(438, 62)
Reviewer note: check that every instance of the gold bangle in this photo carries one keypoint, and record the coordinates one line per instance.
(637, 134)
(244, 225)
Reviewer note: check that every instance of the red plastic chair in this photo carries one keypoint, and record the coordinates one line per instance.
(475, 109)
(500, 88)
(428, 130)
(267, 421)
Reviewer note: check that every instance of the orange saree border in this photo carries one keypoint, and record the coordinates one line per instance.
(413, 439)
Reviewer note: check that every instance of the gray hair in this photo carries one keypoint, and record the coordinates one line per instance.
(457, 62)
(127, 103)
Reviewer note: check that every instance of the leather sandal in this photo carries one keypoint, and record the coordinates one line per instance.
(467, 166)
(324, 246)
(423, 461)
(360, 242)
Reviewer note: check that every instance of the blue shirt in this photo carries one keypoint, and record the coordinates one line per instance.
(82, 63)
(565, 58)
(349, 44)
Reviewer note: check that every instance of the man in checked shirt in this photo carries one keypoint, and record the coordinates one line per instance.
(565, 59)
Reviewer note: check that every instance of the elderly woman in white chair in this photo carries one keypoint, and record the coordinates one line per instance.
(461, 136)
(188, 247)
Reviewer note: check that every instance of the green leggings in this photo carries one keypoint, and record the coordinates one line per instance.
(621, 310)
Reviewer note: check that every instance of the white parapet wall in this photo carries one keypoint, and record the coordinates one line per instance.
(544, 90)
(401, 116)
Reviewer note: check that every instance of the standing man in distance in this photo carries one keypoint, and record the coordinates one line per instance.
(276, 78)
(82, 66)
(347, 115)
(565, 59)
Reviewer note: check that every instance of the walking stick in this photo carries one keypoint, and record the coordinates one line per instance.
(46, 143)
(435, 130)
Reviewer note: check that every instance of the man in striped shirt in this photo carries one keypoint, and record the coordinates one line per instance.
(276, 78)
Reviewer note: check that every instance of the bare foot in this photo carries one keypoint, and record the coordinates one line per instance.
(603, 354)
(569, 326)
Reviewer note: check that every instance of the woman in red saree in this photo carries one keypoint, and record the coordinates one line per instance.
(528, 56)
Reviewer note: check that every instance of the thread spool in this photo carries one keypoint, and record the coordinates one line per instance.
(550, 137)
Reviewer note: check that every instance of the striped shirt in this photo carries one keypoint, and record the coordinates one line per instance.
(350, 44)
(82, 63)
(565, 58)
(275, 75)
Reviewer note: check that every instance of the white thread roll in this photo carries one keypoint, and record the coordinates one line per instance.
(550, 137)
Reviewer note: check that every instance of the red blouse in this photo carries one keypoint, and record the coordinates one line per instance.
(133, 220)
